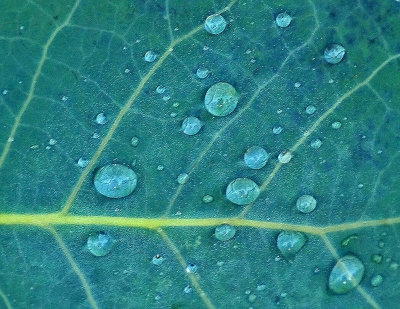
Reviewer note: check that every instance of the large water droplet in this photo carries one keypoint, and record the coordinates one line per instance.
(242, 191)
(283, 20)
(306, 203)
(221, 99)
(150, 56)
(215, 24)
(256, 157)
(115, 181)
(334, 53)
(346, 274)
(99, 244)
(224, 232)
(290, 242)
(191, 125)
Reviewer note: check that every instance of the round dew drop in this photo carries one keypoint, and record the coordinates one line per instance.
(310, 109)
(101, 119)
(134, 141)
(346, 274)
(285, 157)
(182, 178)
(157, 259)
(150, 56)
(215, 24)
(224, 232)
(334, 53)
(306, 204)
(336, 125)
(202, 72)
(99, 244)
(191, 125)
(242, 191)
(277, 130)
(221, 99)
(283, 20)
(256, 157)
(191, 268)
(115, 181)
(376, 280)
(316, 143)
(289, 243)
(207, 198)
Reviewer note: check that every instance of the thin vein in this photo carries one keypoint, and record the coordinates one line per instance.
(32, 87)
(5, 299)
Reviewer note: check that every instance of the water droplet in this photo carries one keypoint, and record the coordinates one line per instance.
(346, 274)
(221, 99)
(187, 289)
(336, 125)
(160, 167)
(316, 143)
(115, 181)
(166, 98)
(95, 135)
(202, 72)
(101, 118)
(252, 298)
(376, 258)
(82, 162)
(99, 244)
(182, 178)
(150, 56)
(207, 198)
(334, 53)
(191, 125)
(215, 24)
(173, 115)
(285, 157)
(297, 85)
(160, 89)
(134, 141)
(191, 268)
(310, 109)
(277, 130)
(52, 142)
(376, 280)
(157, 259)
(306, 204)
(283, 20)
(242, 191)
(224, 232)
(261, 287)
(256, 157)
(381, 244)
(394, 266)
(290, 242)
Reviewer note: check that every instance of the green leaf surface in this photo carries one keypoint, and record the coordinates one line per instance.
(64, 62)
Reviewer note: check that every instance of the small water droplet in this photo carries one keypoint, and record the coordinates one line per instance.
(157, 259)
(334, 53)
(394, 266)
(182, 178)
(376, 280)
(297, 85)
(289, 243)
(221, 99)
(242, 191)
(134, 141)
(187, 289)
(202, 72)
(173, 115)
(191, 125)
(95, 135)
(283, 20)
(376, 258)
(166, 98)
(277, 130)
(215, 24)
(160, 89)
(285, 157)
(52, 142)
(346, 274)
(224, 232)
(381, 244)
(252, 298)
(207, 198)
(310, 109)
(160, 167)
(256, 157)
(99, 244)
(5, 92)
(82, 162)
(150, 56)
(316, 143)
(261, 287)
(101, 119)
(191, 268)
(306, 203)
(336, 125)
(115, 181)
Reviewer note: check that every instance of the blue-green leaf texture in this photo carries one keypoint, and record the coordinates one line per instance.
(64, 62)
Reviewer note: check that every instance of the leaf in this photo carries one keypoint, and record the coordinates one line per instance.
(65, 62)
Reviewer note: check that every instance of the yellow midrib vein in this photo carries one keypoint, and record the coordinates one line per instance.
(56, 219)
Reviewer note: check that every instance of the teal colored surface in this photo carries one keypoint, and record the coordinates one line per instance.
(69, 73)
